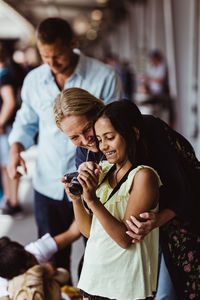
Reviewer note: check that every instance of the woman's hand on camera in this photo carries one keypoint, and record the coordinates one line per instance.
(90, 166)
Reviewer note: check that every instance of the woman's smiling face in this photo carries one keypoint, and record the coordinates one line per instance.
(79, 130)
(111, 143)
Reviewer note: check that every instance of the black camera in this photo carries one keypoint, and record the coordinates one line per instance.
(75, 187)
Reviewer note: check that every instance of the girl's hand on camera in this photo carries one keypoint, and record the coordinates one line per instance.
(89, 181)
(90, 166)
(72, 196)
(63, 179)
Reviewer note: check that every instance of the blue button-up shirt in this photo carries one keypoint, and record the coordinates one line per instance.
(56, 153)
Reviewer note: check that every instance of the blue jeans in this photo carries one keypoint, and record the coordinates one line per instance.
(165, 289)
(54, 217)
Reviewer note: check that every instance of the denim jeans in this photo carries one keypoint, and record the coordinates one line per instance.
(54, 216)
(165, 289)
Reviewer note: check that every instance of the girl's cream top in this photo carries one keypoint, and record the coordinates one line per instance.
(109, 270)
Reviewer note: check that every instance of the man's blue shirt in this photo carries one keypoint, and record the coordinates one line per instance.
(56, 153)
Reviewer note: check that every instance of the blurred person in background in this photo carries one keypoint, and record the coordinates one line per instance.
(25, 278)
(155, 86)
(128, 80)
(31, 59)
(63, 67)
(42, 249)
(124, 72)
(27, 58)
(157, 76)
(8, 106)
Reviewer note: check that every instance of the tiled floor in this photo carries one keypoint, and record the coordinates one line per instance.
(24, 229)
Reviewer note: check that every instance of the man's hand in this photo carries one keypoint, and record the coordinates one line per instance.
(137, 230)
(15, 161)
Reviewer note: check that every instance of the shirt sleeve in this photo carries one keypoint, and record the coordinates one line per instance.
(26, 122)
(112, 90)
(81, 155)
(6, 79)
(43, 249)
(3, 287)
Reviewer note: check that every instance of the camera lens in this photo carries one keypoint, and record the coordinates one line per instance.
(75, 187)
(69, 176)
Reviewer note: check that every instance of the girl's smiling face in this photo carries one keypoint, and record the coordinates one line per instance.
(111, 143)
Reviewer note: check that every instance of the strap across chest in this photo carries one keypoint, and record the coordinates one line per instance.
(116, 188)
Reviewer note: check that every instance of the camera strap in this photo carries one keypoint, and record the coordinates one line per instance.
(116, 188)
(122, 180)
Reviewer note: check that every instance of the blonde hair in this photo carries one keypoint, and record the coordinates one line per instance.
(75, 101)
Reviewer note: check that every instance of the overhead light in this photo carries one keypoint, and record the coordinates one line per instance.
(80, 25)
(52, 10)
(18, 57)
(96, 15)
(103, 2)
(91, 34)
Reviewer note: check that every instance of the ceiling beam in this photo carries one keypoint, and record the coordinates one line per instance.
(23, 4)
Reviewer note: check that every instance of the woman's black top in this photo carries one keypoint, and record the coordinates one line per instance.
(173, 157)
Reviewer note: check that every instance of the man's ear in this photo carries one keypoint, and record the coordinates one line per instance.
(137, 132)
(73, 43)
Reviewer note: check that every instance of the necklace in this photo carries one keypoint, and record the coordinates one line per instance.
(117, 171)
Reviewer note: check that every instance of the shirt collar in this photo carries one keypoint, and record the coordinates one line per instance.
(81, 65)
(47, 74)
